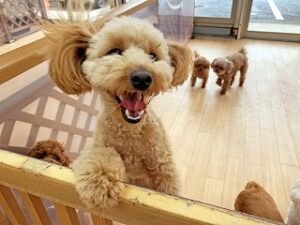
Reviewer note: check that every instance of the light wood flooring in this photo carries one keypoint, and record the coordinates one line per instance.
(252, 133)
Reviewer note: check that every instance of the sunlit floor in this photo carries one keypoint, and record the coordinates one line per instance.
(274, 27)
(252, 133)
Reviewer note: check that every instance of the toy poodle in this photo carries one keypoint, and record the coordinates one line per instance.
(50, 151)
(294, 208)
(200, 70)
(256, 201)
(227, 67)
(128, 62)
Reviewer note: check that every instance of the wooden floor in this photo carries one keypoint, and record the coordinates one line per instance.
(252, 133)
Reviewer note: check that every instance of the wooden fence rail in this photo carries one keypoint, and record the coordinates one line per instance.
(137, 205)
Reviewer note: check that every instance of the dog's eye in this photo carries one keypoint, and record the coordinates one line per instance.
(153, 56)
(41, 155)
(221, 68)
(114, 51)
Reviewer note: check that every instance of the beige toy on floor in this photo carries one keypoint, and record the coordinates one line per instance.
(226, 69)
(254, 200)
(294, 208)
(128, 62)
(200, 69)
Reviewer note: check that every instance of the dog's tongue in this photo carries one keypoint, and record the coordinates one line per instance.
(133, 103)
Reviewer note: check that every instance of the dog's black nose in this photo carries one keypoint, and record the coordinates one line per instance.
(141, 79)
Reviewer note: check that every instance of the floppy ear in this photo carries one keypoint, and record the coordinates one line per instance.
(212, 64)
(69, 44)
(182, 61)
(207, 64)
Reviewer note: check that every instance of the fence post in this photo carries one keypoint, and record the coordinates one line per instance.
(3, 22)
(43, 9)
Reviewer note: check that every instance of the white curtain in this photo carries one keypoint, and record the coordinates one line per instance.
(176, 18)
(173, 17)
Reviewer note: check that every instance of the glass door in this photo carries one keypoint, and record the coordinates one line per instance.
(216, 17)
(273, 19)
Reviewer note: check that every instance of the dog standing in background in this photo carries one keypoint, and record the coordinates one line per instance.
(200, 70)
(227, 67)
(50, 151)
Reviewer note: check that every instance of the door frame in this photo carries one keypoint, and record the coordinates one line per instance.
(239, 22)
(231, 23)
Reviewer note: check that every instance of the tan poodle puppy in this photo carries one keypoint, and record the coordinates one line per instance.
(128, 62)
(50, 151)
(256, 201)
(200, 70)
(227, 67)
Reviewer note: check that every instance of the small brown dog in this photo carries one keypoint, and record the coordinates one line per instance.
(227, 67)
(254, 200)
(50, 151)
(200, 70)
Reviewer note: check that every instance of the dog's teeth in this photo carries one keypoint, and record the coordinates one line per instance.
(130, 117)
(121, 97)
(134, 118)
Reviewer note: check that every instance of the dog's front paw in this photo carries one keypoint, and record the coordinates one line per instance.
(166, 184)
(219, 82)
(168, 187)
(223, 92)
(99, 191)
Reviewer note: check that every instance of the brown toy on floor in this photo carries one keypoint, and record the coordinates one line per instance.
(51, 151)
(254, 200)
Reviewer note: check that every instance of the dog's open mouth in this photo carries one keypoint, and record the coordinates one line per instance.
(132, 106)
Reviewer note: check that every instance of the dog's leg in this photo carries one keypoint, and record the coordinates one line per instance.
(204, 82)
(219, 81)
(98, 172)
(193, 81)
(243, 72)
(162, 171)
(165, 178)
(225, 86)
(232, 80)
